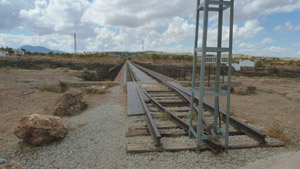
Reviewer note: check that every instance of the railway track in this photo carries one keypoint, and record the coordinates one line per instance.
(164, 101)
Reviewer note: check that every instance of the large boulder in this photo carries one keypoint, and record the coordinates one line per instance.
(70, 104)
(40, 129)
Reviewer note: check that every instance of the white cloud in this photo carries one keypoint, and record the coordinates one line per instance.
(275, 49)
(246, 45)
(267, 41)
(251, 9)
(287, 26)
(9, 12)
(57, 16)
(136, 13)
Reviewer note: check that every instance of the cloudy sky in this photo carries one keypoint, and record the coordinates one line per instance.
(262, 27)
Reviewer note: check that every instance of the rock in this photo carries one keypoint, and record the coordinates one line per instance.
(1, 138)
(224, 87)
(70, 104)
(11, 165)
(40, 129)
(2, 161)
(89, 76)
(241, 90)
(245, 90)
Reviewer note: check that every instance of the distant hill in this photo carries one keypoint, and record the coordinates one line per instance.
(39, 49)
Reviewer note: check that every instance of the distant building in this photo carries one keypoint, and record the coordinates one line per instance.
(19, 52)
(3, 52)
(214, 60)
(243, 64)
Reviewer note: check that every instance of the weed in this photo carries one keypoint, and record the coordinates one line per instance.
(195, 116)
(166, 116)
(277, 131)
(124, 88)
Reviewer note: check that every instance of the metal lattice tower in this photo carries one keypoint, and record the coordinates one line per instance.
(218, 6)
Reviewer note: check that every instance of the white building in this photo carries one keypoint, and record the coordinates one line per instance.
(19, 52)
(3, 52)
(214, 60)
(243, 63)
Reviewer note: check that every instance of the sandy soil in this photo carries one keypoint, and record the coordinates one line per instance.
(276, 102)
(20, 96)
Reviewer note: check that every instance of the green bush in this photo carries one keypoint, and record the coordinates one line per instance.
(259, 64)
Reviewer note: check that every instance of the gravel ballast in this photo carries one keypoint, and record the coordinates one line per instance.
(96, 139)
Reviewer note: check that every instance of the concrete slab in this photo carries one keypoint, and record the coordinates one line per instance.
(134, 103)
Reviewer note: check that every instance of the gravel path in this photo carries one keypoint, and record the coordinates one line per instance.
(97, 140)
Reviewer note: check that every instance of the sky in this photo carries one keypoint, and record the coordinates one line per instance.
(261, 27)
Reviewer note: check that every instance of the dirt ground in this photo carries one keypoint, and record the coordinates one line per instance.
(20, 95)
(276, 104)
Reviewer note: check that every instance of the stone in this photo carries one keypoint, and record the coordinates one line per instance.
(2, 161)
(245, 90)
(40, 129)
(70, 104)
(11, 164)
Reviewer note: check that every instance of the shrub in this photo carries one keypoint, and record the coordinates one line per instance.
(155, 57)
(64, 86)
(60, 88)
(277, 131)
(259, 64)
(50, 88)
(291, 62)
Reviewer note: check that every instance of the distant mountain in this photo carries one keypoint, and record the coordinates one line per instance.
(39, 49)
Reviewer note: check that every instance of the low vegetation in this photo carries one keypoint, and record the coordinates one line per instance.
(277, 131)
(60, 88)
(166, 117)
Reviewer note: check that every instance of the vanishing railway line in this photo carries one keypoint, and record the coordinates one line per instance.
(162, 100)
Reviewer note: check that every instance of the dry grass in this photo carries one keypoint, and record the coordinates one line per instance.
(277, 131)
(124, 88)
(247, 119)
(92, 90)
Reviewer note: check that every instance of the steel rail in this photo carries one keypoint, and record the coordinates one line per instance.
(154, 132)
(213, 145)
(250, 131)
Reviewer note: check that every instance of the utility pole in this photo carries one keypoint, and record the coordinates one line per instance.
(75, 46)
(143, 45)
